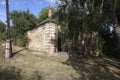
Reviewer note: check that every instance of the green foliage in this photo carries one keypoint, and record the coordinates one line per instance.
(75, 17)
(111, 15)
(2, 30)
(22, 42)
(80, 17)
(2, 27)
(22, 21)
(43, 14)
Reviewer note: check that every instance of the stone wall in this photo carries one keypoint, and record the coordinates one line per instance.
(43, 38)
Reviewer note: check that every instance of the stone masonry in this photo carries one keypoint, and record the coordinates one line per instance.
(44, 37)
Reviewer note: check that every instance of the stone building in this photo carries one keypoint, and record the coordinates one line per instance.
(44, 37)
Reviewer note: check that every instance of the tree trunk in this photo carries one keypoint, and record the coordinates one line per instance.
(101, 6)
(117, 31)
(116, 26)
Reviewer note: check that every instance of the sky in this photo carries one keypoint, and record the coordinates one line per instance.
(34, 6)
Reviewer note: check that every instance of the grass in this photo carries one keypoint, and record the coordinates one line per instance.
(32, 65)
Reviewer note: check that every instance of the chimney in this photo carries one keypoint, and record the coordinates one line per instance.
(51, 10)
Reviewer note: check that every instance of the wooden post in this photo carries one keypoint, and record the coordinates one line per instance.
(50, 38)
(8, 51)
(56, 37)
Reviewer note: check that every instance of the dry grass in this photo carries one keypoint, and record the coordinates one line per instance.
(31, 65)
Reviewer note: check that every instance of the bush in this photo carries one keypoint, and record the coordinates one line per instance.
(21, 42)
(3, 36)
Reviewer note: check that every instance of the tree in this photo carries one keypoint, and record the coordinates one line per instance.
(22, 21)
(2, 30)
(43, 14)
(82, 17)
(79, 20)
(111, 13)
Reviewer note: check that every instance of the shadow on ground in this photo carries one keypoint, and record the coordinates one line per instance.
(95, 69)
(14, 53)
(88, 69)
(12, 73)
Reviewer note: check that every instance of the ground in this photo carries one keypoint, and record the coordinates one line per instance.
(32, 65)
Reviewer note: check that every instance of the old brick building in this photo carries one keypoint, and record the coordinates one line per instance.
(44, 37)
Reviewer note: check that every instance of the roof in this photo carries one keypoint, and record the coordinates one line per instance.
(43, 22)
(46, 20)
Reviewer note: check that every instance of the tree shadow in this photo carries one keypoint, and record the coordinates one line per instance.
(95, 69)
(10, 74)
(36, 76)
(14, 53)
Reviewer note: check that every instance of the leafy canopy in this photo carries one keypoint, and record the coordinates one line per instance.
(2, 30)
(22, 21)
(43, 14)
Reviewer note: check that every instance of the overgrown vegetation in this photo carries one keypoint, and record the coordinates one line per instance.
(43, 14)
(22, 22)
(2, 31)
(92, 24)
